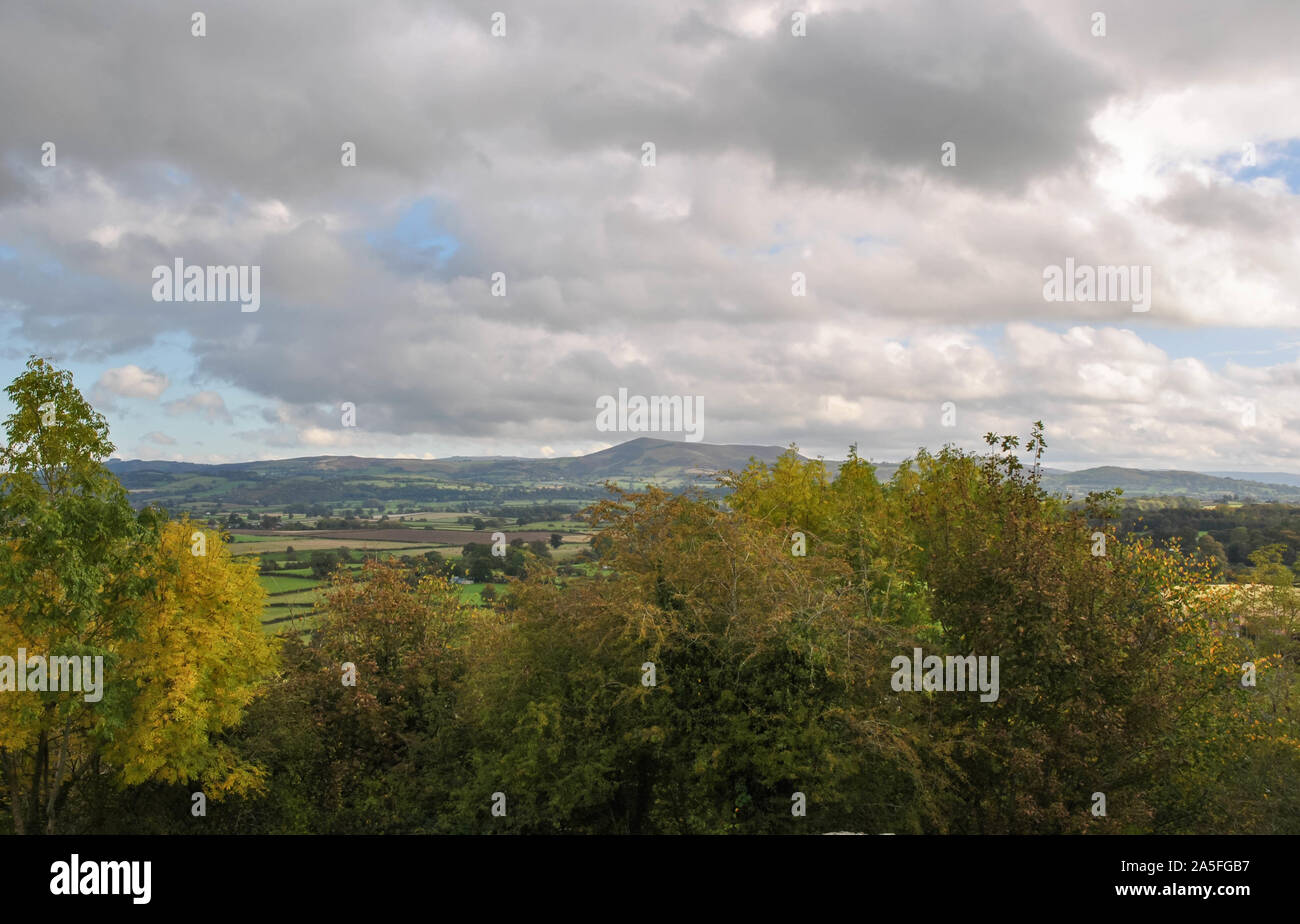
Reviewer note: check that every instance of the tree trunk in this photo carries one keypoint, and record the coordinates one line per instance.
(33, 820)
(56, 789)
(15, 790)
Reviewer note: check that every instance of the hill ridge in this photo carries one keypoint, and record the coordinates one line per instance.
(637, 461)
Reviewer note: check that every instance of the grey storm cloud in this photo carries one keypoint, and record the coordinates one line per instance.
(265, 98)
(868, 93)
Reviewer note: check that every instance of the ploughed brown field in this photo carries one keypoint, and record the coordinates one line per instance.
(420, 536)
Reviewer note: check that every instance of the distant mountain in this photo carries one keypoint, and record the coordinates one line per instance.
(638, 458)
(1138, 482)
(652, 458)
(353, 480)
(1266, 477)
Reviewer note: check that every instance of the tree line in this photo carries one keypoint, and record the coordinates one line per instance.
(1224, 534)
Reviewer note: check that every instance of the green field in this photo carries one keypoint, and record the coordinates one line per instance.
(283, 583)
(473, 593)
(299, 621)
(307, 597)
(292, 592)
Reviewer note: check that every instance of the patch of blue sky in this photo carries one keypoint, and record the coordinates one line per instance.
(132, 420)
(418, 241)
(1213, 346)
(1278, 159)
(27, 260)
(1217, 346)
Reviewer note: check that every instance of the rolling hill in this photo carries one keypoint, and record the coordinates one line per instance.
(347, 480)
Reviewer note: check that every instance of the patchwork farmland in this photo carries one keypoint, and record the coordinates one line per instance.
(295, 565)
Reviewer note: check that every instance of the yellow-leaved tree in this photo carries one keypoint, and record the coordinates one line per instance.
(198, 658)
(127, 643)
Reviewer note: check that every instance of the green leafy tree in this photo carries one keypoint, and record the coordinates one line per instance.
(324, 563)
(762, 689)
(378, 756)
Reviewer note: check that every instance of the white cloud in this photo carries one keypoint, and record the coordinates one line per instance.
(208, 404)
(131, 381)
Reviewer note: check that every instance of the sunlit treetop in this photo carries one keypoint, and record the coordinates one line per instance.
(53, 434)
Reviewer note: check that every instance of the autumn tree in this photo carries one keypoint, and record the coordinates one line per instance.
(709, 685)
(1116, 672)
(1118, 669)
(174, 623)
(360, 735)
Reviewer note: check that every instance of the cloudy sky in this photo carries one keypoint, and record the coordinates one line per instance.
(1171, 142)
